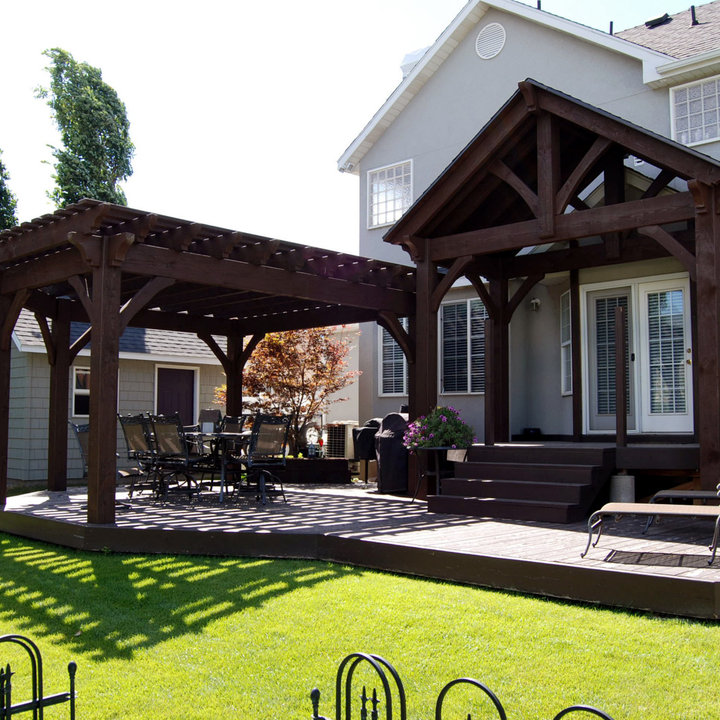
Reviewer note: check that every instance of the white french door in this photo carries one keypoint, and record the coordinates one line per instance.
(658, 360)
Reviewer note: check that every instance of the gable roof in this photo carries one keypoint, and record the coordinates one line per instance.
(466, 20)
(497, 180)
(678, 37)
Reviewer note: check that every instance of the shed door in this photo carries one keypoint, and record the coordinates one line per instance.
(176, 393)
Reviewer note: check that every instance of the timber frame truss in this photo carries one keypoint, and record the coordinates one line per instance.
(542, 189)
(114, 267)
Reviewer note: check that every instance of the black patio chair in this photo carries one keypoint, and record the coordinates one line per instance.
(140, 450)
(82, 435)
(265, 454)
(175, 466)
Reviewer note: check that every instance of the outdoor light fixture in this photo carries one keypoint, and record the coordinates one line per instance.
(535, 304)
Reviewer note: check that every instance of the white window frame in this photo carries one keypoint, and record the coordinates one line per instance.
(382, 332)
(79, 392)
(389, 218)
(566, 379)
(676, 134)
(468, 340)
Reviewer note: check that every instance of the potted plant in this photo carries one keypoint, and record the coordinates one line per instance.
(441, 428)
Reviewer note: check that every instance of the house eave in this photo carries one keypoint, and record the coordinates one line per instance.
(453, 35)
(685, 70)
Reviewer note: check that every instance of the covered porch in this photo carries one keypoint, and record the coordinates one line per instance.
(115, 267)
(557, 204)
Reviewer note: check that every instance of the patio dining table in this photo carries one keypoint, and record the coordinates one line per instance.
(224, 441)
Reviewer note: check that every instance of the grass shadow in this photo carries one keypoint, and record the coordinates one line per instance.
(111, 606)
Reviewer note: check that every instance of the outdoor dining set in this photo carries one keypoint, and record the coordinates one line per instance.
(236, 453)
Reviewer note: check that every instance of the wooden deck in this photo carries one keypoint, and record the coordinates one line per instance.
(665, 571)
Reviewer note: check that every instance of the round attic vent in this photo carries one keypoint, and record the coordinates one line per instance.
(490, 41)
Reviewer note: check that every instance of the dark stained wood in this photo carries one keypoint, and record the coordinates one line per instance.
(490, 425)
(566, 195)
(673, 246)
(707, 355)
(548, 172)
(103, 394)
(60, 361)
(427, 334)
(597, 221)
(576, 351)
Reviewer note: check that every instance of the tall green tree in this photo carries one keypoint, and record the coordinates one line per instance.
(96, 150)
(8, 202)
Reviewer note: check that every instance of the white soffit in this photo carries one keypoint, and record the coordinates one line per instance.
(467, 20)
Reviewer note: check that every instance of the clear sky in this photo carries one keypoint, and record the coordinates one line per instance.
(239, 109)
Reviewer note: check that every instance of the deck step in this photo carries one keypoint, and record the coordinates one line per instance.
(518, 489)
(551, 512)
(578, 454)
(536, 472)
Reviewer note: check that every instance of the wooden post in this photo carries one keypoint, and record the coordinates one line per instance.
(234, 375)
(620, 379)
(4, 418)
(707, 355)
(489, 385)
(60, 359)
(103, 393)
(576, 352)
(500, 359)
(426, 360)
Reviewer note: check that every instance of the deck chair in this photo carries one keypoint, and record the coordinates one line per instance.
(266, 453)
(174, 465)
(82, 435)
(138, 439)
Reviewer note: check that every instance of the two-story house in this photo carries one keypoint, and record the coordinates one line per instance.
(632, 89)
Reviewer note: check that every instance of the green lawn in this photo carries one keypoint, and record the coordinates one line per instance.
(195, 637)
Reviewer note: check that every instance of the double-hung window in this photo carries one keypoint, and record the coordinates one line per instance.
(462, 352)
(565, 345)
(393, 365)
(695, 111)
(389, 193)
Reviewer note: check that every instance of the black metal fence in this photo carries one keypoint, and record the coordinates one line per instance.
(390, 698)
(39, 700)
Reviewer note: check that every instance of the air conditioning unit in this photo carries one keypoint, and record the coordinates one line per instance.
(339, 440)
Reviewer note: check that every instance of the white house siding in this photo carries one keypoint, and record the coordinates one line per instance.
(451, 108)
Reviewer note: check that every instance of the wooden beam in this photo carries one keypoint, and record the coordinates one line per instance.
(398, 333)
(588, 223)
(12, 307)
(233, 275)
(527, 285)
(142, 298)
(548, 172)
(578, 177)
(59, 394)
(576, 352)
(456, 271)
(667, 241)
(504, 173)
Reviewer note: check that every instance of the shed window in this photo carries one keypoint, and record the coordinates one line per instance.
(389, 193)
(695, 110)
(81, 392)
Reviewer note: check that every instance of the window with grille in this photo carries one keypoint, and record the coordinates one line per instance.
(389, 193)
(695, 109)
(393, 366)
(565, 345)
(462, 334)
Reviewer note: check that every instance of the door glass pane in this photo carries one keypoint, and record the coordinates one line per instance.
(605, 348)
(666, 352)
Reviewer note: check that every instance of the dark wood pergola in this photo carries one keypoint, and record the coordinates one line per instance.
(114, 267)
(519, 184)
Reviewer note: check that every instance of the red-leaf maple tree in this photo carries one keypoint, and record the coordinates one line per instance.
(295, 372)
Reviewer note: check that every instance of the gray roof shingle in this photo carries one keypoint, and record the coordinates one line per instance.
(134, 340)
(678, 37)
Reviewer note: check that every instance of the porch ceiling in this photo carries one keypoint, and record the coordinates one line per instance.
(204, 278)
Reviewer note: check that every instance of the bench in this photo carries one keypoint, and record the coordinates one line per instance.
(652, 510)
